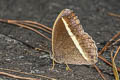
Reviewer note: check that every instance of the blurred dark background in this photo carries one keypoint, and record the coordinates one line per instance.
(93, 15)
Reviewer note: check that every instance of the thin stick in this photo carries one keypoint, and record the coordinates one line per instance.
(116, 42)
(17, 77)
(105, 60)
(109, 42)
(27, 21)
(32, 25)
(99, 72)
(28, 73)
(116, 52)
(33, 30)
(42, 27)
(102, 58)
(33, 22)
(27, 27)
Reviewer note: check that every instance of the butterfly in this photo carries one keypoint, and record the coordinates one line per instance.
(70, 44)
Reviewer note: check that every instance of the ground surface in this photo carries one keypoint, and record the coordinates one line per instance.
(16, 55)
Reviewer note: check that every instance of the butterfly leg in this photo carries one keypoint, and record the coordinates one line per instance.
(53, 61)
(53, 64)
(68, 68)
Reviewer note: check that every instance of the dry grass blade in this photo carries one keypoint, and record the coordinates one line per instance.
(114, 65)
(100, 72)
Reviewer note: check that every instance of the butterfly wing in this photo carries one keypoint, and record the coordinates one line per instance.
(69, 41)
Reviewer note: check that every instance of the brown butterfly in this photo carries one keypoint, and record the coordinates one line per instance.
(70, 44)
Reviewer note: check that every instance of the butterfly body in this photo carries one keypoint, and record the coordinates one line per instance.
(70, 44)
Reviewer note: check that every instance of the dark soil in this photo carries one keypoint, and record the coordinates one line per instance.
(14, 54)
